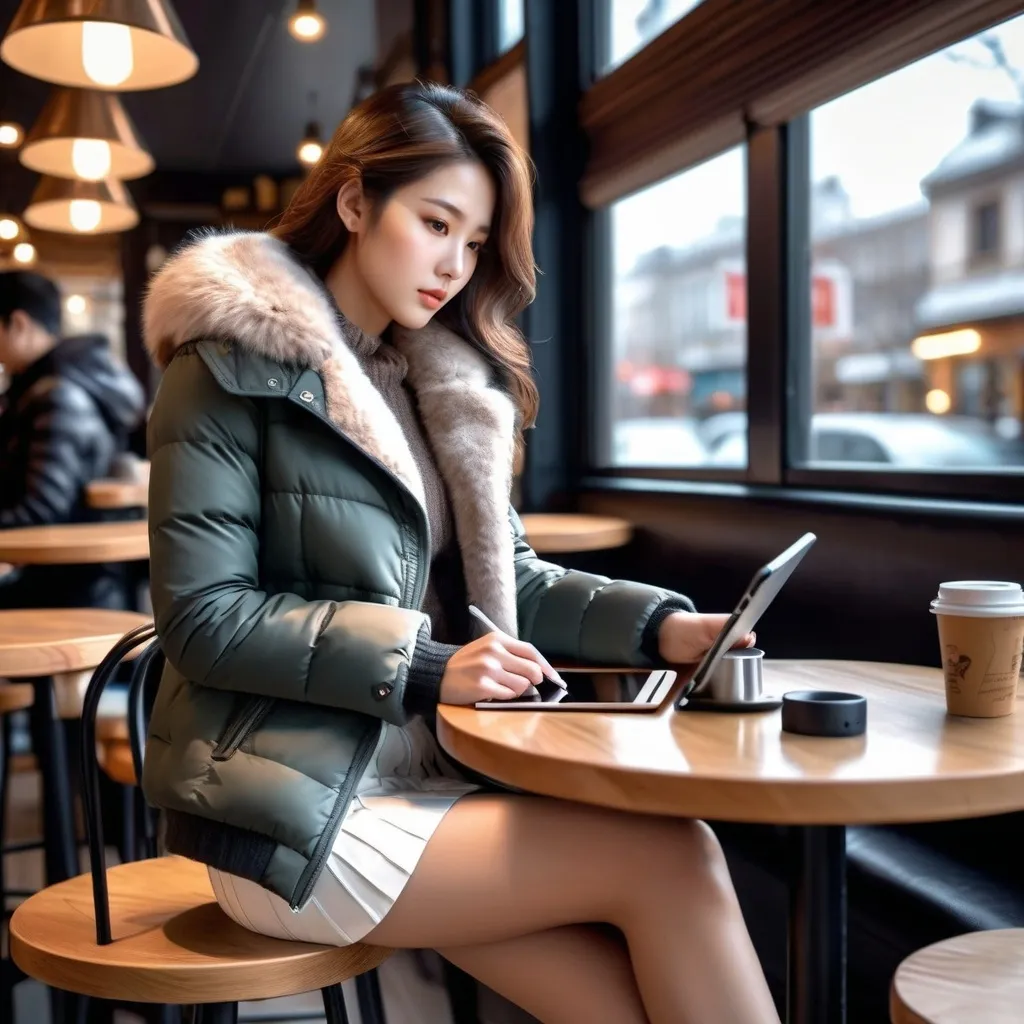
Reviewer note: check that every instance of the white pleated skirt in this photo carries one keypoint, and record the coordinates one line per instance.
(408, 787)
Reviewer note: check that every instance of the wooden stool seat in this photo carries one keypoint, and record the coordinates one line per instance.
(974, 977)
(115, 757)
(15, 697)
(172, 943)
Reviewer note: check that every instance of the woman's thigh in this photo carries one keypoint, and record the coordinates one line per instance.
(502, 866)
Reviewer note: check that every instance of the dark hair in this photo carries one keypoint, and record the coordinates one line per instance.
(33, 294)
(401, 134)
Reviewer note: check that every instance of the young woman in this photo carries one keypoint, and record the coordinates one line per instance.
(332, 452)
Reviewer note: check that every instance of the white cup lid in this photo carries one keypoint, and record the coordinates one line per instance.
(979, 598)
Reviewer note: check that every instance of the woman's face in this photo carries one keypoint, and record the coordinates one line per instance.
(422, 249)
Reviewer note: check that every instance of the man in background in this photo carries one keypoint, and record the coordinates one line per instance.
(64, 420)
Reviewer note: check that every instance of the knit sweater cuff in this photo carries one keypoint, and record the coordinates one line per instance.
(423, 682)
(649, 639)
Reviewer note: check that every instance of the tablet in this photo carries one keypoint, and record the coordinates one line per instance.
(594, 689)
(762, 590)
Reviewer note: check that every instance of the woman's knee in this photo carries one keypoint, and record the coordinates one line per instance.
(686, 853)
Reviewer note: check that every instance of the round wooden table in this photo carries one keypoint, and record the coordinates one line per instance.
(56, 648)
(75, 543)
(555, 533)
(915, 763)
(117, 494)
(974, 977)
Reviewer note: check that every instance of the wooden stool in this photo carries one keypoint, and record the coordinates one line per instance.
(151, 931)
(172, 945)
(975, 977)
(564, 533)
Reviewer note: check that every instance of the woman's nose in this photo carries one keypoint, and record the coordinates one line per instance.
(453, 265)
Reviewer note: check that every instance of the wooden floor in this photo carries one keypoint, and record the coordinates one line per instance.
(410, 983)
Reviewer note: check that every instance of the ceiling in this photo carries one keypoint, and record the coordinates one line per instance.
(246, 108)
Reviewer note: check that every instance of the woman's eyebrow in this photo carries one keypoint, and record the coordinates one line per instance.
(455, 211)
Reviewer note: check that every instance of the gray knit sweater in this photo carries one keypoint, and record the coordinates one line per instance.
(445, 597)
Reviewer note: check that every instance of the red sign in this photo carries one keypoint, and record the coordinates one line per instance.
(823, 299)
(736, 296)
(823, 302)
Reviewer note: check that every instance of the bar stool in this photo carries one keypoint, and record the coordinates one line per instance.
(151, 931)
(13, 697)
(969, 978)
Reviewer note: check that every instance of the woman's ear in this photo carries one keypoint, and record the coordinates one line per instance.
(351, 205)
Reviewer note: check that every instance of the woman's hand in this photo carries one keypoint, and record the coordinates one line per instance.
(684, 637)
(495, 667)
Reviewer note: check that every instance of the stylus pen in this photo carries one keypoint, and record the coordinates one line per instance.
(492, 628)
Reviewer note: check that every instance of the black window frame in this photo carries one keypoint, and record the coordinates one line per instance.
(779, 405)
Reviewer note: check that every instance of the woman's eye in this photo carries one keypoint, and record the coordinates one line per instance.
(439, 226)
(476, 246)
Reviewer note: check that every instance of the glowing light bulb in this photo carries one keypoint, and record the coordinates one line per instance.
(307, 28)
(8, 229)
(310, 153)
(938, 401)
(10, 135)
(76, 304)
(90, 158)
(85, 214)
(25, 252)
(107, 55)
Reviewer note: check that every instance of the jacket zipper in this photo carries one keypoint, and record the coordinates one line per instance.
(242, 727)
(307, 880)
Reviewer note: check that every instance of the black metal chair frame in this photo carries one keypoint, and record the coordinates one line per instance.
(144, 679)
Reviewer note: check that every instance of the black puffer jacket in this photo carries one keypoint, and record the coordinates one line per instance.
(62, 423)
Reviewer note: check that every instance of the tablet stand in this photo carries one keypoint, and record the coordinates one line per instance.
(734, 685)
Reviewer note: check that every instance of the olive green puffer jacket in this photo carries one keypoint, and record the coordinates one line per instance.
(290, 549)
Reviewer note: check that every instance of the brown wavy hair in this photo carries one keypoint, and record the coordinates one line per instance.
(401, 134)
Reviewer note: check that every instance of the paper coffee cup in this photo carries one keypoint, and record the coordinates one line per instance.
(981, 636)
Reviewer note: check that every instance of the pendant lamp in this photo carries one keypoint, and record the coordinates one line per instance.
(122, 45)
(83, 133)
(81, 207)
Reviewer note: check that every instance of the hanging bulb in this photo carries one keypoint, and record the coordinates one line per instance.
(25, 252)
(85, 214)
(307, 24)
(310, 148)
(90, 158)
(107, 55)
(9, 229)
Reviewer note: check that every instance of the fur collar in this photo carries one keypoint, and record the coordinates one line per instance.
(247, 287)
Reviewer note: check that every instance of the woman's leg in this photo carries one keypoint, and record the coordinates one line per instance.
(501, 867)
(561, 976)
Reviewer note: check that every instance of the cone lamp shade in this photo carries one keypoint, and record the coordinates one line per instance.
(86, 134)
(81, 207)
(121, 45)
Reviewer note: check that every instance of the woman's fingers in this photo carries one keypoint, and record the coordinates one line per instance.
(530, 653)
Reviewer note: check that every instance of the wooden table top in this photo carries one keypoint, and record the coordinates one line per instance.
(915, 762)
(75, 543)
(51, 641)
(558, 533)
(975, 977)
(107, 494)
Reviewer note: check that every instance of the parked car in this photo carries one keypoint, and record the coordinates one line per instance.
(657, 442)
(911, 440)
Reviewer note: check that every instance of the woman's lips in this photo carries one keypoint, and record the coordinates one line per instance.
(432, 300)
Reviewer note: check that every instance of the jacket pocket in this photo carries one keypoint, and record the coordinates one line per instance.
(242, 726)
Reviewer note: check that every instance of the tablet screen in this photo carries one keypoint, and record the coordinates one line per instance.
(592, 687)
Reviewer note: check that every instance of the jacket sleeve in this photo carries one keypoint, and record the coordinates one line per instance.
(582, 617)
(57, 468)
(216, 625)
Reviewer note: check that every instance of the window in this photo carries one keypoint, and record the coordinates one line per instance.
(511, 22)
(986, 231)
(629, 25)
(917, 290)
(678, 332)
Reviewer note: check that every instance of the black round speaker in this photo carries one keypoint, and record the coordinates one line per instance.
(824, 713)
